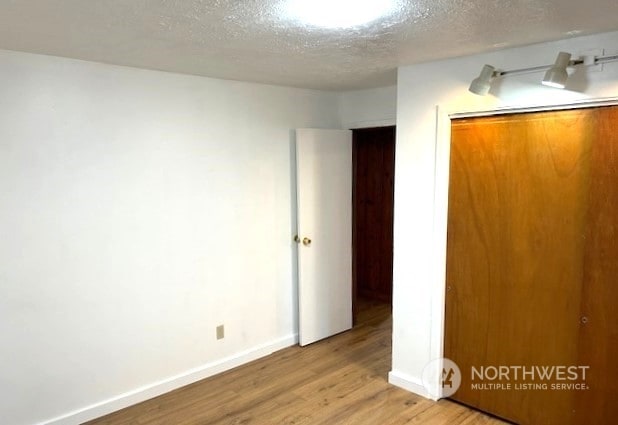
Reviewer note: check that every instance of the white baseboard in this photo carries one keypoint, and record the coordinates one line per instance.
(409, 383)
(166, 385)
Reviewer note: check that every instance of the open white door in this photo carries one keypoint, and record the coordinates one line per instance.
(324, 193)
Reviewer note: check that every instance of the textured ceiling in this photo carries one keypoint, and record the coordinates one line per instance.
(251, 40)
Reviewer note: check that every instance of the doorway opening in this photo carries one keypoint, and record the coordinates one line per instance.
(373, 168)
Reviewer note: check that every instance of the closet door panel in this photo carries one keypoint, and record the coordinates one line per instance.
(599, 313)
(515, 252)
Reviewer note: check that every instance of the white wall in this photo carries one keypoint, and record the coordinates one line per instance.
(368, 108)
(139, 210)
(418, 268)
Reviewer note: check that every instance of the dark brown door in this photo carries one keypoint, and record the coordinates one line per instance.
(531, 261)
(372, 222)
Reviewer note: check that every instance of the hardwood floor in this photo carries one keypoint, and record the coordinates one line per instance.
(341, 380)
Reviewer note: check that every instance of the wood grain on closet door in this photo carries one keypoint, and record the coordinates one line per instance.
(599, 312)
(517, 209)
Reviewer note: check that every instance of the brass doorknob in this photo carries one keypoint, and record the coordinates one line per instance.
(306, 241)
(296, 239)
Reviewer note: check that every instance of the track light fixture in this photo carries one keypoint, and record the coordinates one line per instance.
(481, 84)
(556, 75)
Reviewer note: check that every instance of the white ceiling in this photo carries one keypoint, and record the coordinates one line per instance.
(251, 40)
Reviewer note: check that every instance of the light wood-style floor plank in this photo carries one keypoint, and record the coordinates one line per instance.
(341, 380)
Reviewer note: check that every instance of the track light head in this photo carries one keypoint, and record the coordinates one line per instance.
(557, 75)
(482, 83)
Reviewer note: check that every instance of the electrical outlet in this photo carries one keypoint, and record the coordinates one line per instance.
(220, 332)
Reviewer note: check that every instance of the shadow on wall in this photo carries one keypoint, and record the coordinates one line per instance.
(294, 226)
(532, 92)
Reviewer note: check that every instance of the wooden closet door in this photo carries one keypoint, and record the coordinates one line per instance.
(515, 256)
(599, 312)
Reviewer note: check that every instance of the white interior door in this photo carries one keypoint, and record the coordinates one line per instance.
(324, 193)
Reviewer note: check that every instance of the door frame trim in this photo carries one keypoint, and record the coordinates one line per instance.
(444, 116)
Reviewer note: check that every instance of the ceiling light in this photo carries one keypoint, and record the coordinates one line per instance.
(482, 83)
(338, 13)
(557, 75)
